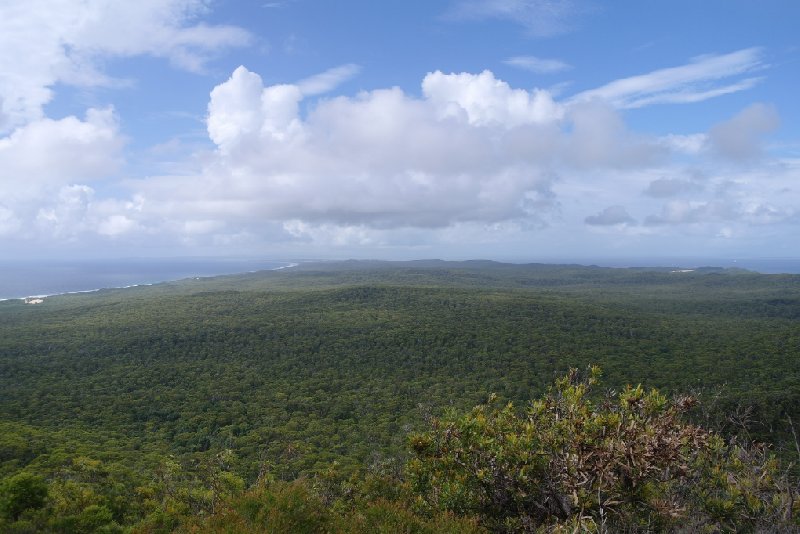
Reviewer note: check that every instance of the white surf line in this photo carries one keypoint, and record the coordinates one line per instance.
(44, 296)
(84, 291)
(283, 267)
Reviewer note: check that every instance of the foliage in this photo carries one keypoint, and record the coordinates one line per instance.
(282, 507)
(152, 405)
(20, 493)
(628, 463)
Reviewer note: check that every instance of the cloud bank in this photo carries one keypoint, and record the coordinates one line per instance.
(472, 149)
(471, 153)
(466, 159)
(50, 169)
(66, 42)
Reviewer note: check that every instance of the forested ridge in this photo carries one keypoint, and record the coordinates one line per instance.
(148, 407)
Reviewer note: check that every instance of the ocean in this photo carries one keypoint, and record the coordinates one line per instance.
(759, 265)
(20, 279)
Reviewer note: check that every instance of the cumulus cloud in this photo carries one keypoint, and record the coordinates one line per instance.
(739, 138)
(65, 215)
(74, 213)
(243, 109)
(610, 216)
(703, 78)
(471, 149)
(50, 168)
(486, 100)
(692, 212)
(116, 224)
(470, 158)
(50, 153)
(748, 211)
(45, 167)
(62, 41)
(541, 18)
(600, 138)
(537, 65)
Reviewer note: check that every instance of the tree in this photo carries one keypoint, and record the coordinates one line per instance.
(21, 492)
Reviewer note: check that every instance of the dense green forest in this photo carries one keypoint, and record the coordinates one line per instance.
(150, 407)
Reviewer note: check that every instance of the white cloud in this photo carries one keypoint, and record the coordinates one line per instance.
(739, 138)
(760, 196)
(65, 215)
(50, 153)
(63, 41)
(242, 109)
(486, 100)
(200, 227)
(328, 80)
(695, 212)
(9, 223)
(701, 79)
(48, 167)
(610, 216)
(470, 152)
(116, 225)
(541, 18)
(45, 167)
(472, 159)
(691, 144)
(538, 65)
(600, 138)
(669, 187)
(337, 235)
(472, 149)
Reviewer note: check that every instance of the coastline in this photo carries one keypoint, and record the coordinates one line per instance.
(42, 296)
(211, 268)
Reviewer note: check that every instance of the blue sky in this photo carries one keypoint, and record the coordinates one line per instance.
(508, 129)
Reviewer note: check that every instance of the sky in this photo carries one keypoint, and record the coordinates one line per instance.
(517, 130)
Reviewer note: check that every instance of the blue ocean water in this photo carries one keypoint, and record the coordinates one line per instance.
(19, 279)
(767, 265)
(759, 265)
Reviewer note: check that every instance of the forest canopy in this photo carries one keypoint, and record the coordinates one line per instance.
(171, 406)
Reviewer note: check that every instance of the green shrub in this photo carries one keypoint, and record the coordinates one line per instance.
(626, 463)
(20, 493)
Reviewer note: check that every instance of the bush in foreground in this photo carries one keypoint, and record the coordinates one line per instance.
(625, 464)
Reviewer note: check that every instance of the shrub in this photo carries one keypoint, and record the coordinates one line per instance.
(626, 463)
(21, 492)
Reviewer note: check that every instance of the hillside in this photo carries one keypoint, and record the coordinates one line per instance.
(337, 362)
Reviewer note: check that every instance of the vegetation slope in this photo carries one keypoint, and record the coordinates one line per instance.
(150, 405)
